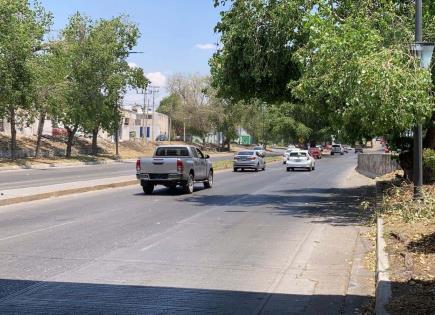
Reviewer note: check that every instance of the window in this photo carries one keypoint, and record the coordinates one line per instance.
(126, 121)
(246, 153)
(201, 156)
(194, 152)
(172, 151)
(2, 125)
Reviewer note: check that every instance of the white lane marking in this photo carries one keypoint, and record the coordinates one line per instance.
(35, 231)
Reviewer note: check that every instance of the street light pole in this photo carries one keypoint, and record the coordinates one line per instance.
(418, 131)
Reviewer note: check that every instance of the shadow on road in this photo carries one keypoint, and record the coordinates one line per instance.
(33, 297)
(327, 205)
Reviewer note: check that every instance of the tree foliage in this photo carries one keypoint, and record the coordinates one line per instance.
(22, 28)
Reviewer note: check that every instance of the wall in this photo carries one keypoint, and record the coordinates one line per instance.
(376, 164)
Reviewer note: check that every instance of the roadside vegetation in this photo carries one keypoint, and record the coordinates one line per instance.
(410, 237)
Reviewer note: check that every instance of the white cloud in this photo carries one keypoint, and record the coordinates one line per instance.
(132, 65)
(207, 46)
(157, 79)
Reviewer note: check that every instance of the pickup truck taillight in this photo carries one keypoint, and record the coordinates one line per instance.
(180, 166)
(138, 165)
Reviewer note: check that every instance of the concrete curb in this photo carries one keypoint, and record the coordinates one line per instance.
(65, 192)
(367, 173)
(64, 165)
(383, 284)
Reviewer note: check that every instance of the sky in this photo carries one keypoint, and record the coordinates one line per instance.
(177, 35)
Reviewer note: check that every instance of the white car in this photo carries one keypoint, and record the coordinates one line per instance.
(287, 154)
(300, 159)
(337, 149)
(259, 150)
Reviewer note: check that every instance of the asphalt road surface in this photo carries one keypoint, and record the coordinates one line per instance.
(272, 242)
(52, 175)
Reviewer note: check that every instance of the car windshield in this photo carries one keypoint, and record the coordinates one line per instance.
(172, 151)
(246, 153)
(336, 146)
(298, 154)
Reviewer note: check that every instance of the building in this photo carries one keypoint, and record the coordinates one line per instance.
(136, 124)
(26, 129)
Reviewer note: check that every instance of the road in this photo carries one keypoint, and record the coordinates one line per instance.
(25, 178)
(257, 243)
(52, 175)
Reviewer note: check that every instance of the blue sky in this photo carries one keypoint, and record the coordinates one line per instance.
(177, 35)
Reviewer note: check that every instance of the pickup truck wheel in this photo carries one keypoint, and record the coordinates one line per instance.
(148, 189)
(188, 186)
(209, 182)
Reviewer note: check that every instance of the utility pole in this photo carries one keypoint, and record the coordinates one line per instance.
(153, 90)
(418, 131)
(145, 111)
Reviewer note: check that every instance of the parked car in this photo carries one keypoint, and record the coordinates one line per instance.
(320, 147)
(174, 165)
(249, 160)
(337, 149)
(162, 138)
(345, 148)
(300, 159)
(358, 149)
(315, 152)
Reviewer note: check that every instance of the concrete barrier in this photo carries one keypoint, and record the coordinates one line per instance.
(376, 164)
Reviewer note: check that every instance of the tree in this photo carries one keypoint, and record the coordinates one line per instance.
(99, 74)
(22, 29)
(172, 106)
(196, 111)
(50, 87)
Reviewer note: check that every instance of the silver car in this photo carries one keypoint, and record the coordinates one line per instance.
(249, 160)
(300, 159)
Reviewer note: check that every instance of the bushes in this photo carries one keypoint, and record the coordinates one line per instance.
(429, 166)
(398, 202)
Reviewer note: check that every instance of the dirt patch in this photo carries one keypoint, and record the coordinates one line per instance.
(410, 239)
(54, 150)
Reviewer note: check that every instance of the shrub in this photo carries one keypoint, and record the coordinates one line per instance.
(429, 165)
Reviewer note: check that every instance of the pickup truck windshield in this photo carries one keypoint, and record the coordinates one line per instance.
(172, 151)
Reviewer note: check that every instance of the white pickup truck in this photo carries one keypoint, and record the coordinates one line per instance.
(175, 165)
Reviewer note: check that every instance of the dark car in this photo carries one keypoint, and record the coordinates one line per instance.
(162, 138)
(358, 149)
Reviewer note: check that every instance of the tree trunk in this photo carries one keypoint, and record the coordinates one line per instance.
(13, 134)
(69, 143)
(94, 142)
(40, 129)
(429, 140)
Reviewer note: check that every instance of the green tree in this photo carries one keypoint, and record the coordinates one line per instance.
(99, 74)
(50, 87)
(22, 29)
